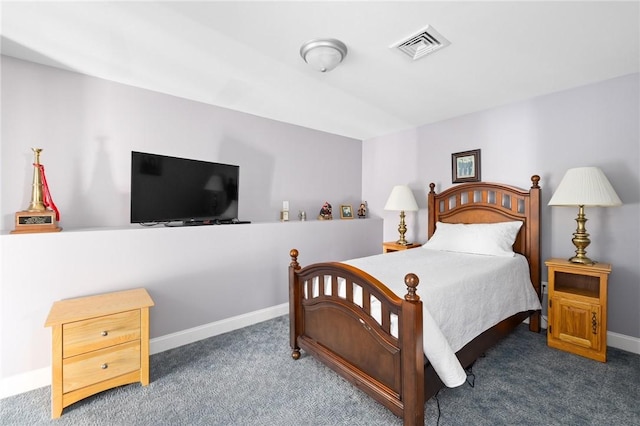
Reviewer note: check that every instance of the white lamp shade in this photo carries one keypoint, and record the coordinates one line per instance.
(585, 186)
(401, 199)
(323, 54)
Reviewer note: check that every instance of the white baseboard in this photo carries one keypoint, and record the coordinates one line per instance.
(35, 379)
(623, 342)
(184, 337)
(25, 382)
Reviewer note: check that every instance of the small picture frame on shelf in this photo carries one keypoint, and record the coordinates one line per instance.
(346, 212)
(465, 166)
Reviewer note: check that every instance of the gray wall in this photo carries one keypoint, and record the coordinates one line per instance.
(595, 125)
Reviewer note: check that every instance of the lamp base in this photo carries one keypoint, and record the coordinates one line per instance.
(403, 243)
(402, 229)
(583, 260)
(581, 240)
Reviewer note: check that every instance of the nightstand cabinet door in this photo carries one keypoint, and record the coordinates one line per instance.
(576, 322)
(578, 308)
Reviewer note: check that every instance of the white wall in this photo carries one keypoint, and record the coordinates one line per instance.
(88, 127)
(196, 275)
(593, 125)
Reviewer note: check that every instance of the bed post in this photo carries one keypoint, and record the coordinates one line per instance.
(412, 355)
(295, 301)
(431, 207)
(534, 249)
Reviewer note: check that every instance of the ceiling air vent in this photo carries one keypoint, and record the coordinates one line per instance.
(426, 41)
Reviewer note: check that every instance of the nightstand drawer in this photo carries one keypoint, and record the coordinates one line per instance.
(97, 366)
(97, 333)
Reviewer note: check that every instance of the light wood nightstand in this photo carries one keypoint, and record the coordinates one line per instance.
(390, 246)
(99, 342)
(578, 308)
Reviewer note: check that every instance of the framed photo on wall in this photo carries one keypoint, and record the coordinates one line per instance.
(346, 212)
(465, 166)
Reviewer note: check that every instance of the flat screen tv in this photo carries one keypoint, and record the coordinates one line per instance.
(170, 189)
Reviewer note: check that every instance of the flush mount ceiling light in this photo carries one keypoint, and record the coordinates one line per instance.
(323, 54)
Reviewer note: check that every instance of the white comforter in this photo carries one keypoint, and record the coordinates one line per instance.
(462, 294)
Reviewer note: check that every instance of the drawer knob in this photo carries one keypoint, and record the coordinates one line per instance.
(104, 333)
(104, 366)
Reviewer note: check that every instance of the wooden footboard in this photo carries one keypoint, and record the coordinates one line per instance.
(333, 305)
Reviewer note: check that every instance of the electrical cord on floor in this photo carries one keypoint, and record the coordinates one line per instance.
(438, 405)
(471, 380)
(471, 377)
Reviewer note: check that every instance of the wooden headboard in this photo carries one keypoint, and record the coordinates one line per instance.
(484, 202)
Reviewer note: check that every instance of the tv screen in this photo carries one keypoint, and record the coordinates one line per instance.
(168, 189)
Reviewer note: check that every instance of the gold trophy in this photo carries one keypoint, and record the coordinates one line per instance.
(37, 217)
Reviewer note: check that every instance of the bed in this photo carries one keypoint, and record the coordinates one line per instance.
(352, 322)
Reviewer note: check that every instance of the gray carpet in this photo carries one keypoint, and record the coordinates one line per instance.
(247, 377)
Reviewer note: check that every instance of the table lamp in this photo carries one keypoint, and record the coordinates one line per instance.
(401, 199)
(584, 186)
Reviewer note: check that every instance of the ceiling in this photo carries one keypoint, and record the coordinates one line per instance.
(245, 55)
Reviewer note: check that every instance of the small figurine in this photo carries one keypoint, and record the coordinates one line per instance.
(325, 212)
(362, 210)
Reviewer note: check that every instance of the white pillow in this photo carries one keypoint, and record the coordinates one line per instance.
(492, 239)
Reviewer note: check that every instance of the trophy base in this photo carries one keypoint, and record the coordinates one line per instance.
(33, 222)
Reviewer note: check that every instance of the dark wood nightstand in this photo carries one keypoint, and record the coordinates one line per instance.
(578, 308)
(390, 246)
